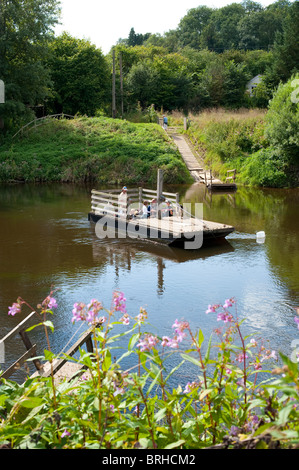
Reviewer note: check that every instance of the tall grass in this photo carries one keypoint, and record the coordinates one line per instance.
(227, 140)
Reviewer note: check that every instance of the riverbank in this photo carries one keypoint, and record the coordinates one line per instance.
(100, 150)
(228, 139)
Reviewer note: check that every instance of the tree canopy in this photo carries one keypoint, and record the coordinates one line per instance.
(205, 62)
(25, 29)
(80, 75)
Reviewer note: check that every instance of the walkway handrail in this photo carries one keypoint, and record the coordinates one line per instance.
(42, 120)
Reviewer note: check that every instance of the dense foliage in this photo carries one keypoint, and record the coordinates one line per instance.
(205, 62)
(224, 404)
(80, 76)
(84, 149)
(25, 29)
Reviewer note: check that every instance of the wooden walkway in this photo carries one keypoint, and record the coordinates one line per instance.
(198, 173)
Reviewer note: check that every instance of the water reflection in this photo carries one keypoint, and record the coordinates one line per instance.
(122, 253)
(46, 239)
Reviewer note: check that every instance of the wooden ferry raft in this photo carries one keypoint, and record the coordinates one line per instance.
(175, 230)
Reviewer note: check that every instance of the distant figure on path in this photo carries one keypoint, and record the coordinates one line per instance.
(165, 122)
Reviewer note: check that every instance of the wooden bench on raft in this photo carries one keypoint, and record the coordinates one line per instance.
(60, 367)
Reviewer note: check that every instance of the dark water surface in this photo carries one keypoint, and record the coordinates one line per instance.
(46, 240)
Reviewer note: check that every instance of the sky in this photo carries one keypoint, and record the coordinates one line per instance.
(103, 22)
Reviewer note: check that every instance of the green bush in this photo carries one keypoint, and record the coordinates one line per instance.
(265, 168)
(224, 404)
(282, 120)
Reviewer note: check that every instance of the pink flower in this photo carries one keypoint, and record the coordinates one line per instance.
(297, 321)
(142, 315)
(78, 312)
(93, 309)
(190, 387)
(269, 355)
(148, 343)
(171, 343)
(65, 433)
(119, 301)
(211, 309)
(179, 328)
(14, 309)
(241, 357)
(125, 319)
(112, 408)
(228, 303)
(49, 303)
(226, 317)
(118, 391)
(52, 303)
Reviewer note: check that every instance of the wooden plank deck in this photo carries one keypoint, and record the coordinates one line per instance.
(169, 230)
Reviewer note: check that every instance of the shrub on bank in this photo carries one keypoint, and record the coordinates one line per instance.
(222, 405)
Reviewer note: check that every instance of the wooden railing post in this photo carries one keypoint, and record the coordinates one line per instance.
(29, 346)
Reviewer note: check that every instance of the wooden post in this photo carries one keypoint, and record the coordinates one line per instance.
(211, 178)
(140, 199)
(159, 190)
(113, 87)
(29, 347)
(177, 200)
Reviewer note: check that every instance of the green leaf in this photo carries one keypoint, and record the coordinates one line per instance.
(200, 338)
(207, 356)
(204, 393)
(284, 414)
(160, 414)
(31, 402)
(34, 326)
(107, 361)
(49, 324)
(192, 359)
(175, 444)
(133, 341)
(153, 382)
(49, 356)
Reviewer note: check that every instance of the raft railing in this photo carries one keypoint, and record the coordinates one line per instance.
(108, 201)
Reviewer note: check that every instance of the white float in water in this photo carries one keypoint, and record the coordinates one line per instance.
(260, 237)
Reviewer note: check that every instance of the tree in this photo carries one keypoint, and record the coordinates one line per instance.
(282, 120)
(25, 29)
(80, 75)
(142, 82)
(221, 32)
(258, 30)
(192, 25)
(286, 48)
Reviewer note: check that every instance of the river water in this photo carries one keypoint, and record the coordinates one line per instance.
(46, 240)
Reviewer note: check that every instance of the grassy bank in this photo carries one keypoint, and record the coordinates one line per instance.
(101, 150)
(236, 140)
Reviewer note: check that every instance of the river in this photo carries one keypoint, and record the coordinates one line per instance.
(46, 240)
